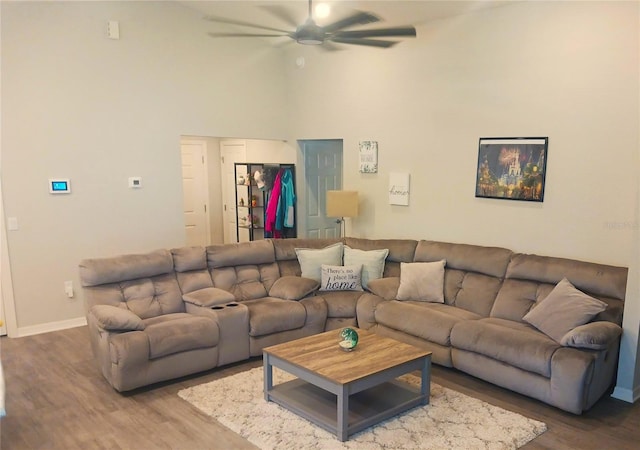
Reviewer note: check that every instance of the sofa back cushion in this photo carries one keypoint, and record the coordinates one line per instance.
(473, 273)
(144, 283)
(400, 250)
(530, 278)
(190, 264)
(285, 252)
(247, 269)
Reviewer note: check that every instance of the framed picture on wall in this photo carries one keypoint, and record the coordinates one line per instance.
(512, 168)
(368, 156)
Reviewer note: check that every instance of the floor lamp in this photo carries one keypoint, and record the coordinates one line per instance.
(342, 204)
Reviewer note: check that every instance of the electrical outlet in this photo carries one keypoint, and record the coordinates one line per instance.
(68, 288)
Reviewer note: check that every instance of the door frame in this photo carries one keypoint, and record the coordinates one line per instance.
(6, 284)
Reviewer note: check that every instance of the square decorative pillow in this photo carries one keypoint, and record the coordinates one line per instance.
(311, 259)
(422, 281)
(564, 309)
(341, 278)
(372, 262)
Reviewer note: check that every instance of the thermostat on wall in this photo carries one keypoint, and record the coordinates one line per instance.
(59, 186)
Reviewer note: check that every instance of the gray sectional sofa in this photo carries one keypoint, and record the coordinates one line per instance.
(170, 313)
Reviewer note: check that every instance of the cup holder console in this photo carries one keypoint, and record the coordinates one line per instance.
(233, 321)
(219, 307)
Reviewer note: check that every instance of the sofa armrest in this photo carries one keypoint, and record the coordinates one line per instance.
(387, 288)
(593, 335)
(208, 297)
(293, 288)
(112, 318)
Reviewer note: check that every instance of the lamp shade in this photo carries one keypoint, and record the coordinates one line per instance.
(342, 203)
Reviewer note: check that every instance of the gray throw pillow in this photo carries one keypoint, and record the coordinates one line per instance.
(293, 288)
(564, 309)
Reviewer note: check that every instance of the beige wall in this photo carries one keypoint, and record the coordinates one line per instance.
(76, 104)
(566, 70)
(79, 105)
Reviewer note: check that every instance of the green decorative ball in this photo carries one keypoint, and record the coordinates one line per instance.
(348, 339)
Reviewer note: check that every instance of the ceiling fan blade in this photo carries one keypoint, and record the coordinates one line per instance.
(241, 23)
(362, 41)
(408, 31)
(281, 13)
(246, 35)
(359, 18)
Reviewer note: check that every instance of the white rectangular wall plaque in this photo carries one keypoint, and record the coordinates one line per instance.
(399, 188)
(368, 156)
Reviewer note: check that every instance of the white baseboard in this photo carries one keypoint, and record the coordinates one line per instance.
(627, 395)
(51, 326)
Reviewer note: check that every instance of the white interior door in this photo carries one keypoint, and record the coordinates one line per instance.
(323, 172)
(231, 151)
(195, 192)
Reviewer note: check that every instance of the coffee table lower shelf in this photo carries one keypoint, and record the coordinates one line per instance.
(366, 408)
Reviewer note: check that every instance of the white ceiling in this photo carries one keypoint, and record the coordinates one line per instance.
(392, 13)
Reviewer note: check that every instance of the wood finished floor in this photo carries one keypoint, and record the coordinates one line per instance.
(57, 399)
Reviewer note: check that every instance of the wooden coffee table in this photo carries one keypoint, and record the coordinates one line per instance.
(346, 392)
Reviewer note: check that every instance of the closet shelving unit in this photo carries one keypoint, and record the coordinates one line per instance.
(251, 201)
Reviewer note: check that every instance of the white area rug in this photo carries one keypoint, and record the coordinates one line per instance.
(450, 421)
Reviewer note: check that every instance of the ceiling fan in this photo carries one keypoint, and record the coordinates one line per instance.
(309, 33)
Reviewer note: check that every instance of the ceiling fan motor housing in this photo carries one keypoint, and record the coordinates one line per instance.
(309, 33)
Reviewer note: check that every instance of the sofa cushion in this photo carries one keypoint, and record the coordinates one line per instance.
(593, 335)
(341, 304)
(596, 279)
(246, 282)
(98, 271)
(386, 288)
(189, 258)
(430, 321)
(243, 253)
(372, 262)
(293, 288)
(516, 297)
(490, 261)
(514, 343)
(154, 296)
(271, 315)
(563, 309)
(311, 260)
(400, 250)
(112, 318)
(174, 333)
(341, 278)
(208, 297)
(422, 281)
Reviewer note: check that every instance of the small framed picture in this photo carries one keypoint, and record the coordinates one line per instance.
(368, 156)
(512, 168)
(399, 188)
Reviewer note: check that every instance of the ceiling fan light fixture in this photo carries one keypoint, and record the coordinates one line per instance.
(310, 34)
(322, 11)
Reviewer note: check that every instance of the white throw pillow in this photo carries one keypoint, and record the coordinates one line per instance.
(311, 259)
(372, 262)
(341, 278)
(422, 281)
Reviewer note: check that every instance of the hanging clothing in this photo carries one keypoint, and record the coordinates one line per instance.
(272, 206)
(285, 215)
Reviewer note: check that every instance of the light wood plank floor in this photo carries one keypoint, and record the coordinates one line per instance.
(57, 399)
